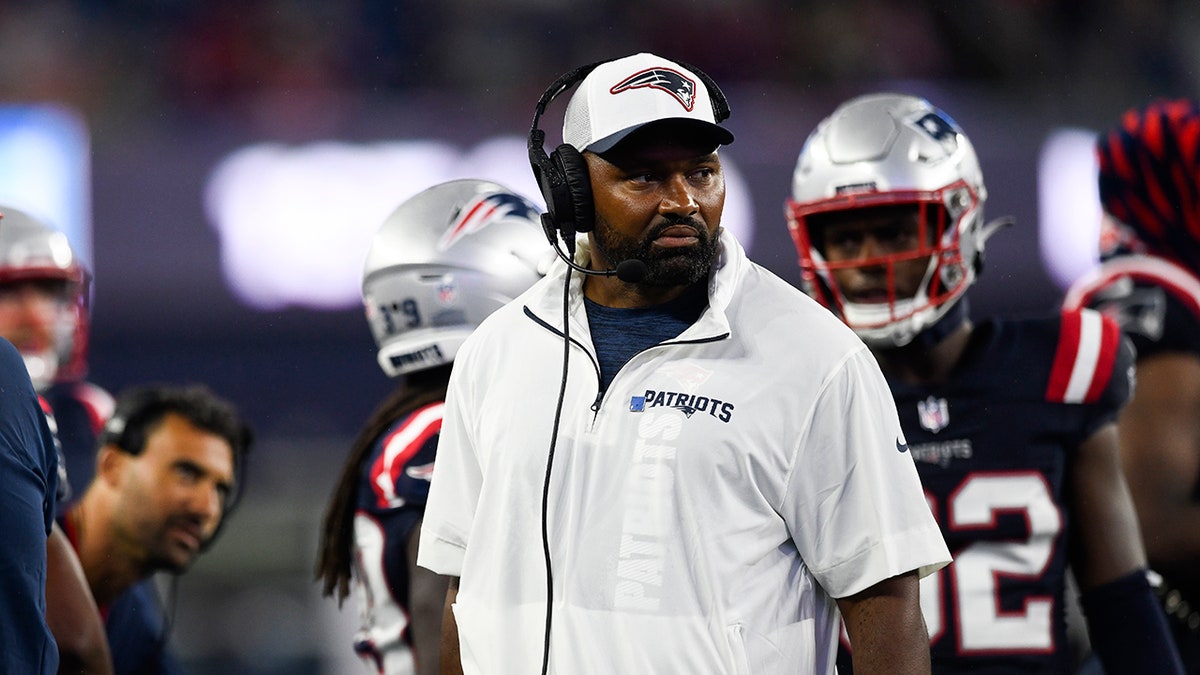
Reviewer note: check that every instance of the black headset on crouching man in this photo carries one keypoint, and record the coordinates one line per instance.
(566, 185)
(139, 411)
(563, 178)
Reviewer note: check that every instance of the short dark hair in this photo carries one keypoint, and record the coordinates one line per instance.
(140, 409)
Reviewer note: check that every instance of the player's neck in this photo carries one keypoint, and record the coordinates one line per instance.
(110, 567)
(924, 365)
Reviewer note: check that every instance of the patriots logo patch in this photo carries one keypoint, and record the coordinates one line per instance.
(480, 212)
(688, 404)
(682, 87)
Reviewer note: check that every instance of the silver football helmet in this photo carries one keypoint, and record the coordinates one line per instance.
(886, 150)
(441, 263)
(30, 250)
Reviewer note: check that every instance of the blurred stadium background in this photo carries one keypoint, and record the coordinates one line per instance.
(232, 157)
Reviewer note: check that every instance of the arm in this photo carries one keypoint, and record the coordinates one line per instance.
(71, 611)
(1160, 452)
(1108, 559)
(451, 661)
(427, 596)
(886, 628)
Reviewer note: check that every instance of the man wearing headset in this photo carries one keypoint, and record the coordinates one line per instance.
(165, 478)
(712, 466)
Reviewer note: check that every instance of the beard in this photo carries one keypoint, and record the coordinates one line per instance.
(665, 267)
(167, 555)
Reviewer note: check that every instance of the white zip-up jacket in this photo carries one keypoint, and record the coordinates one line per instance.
(703, 512)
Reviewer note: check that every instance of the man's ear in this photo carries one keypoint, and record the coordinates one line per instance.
(110, 464)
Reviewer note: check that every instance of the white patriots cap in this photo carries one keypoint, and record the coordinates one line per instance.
(621, 96)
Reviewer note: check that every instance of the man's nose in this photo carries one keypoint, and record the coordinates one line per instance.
(205, 502)
(677, 196)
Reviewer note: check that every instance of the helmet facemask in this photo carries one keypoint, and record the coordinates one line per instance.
(895, 314)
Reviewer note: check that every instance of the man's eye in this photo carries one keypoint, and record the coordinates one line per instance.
(186, 472)
(845, 241)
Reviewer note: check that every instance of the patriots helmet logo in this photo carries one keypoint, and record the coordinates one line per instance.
(940, 129)
(682, 87)
(482, 211)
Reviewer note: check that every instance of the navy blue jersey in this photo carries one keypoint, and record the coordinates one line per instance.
(137, 633)
(393, 488)
(1157, 304)
(28, 482)
(994, 447)
(135, 625)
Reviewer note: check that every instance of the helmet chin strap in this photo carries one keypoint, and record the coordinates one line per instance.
(953, 318)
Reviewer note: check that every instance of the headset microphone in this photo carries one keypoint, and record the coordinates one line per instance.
(630, 271)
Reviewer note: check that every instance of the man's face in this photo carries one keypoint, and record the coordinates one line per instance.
(659, 196)
(877, 255)
(173, 494)
(35, 316)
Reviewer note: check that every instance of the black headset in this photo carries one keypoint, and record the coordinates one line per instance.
(562, 175)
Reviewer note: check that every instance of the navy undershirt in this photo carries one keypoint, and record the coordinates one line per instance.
(620, 332)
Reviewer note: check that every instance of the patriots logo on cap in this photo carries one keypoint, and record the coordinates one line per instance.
(481, 211)
(682, 87)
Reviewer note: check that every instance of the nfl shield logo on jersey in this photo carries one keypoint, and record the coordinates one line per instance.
(934, 413)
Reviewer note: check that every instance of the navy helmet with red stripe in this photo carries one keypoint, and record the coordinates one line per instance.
(1150, 182)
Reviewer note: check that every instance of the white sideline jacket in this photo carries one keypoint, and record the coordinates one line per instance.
(703, 513)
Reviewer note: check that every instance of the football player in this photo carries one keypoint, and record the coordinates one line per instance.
(44, 303)
(1012, 423)
(1150, 283)
(41, 305)
(442, 262)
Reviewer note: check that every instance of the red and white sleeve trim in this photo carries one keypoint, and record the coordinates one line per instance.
(1083, 363)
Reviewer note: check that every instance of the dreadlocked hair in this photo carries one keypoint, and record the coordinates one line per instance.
(1150, 177)
(336, 553)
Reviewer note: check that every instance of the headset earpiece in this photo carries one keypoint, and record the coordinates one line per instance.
(573, 205)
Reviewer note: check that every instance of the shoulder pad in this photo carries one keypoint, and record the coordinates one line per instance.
(1088, 345)
(400, 445)
(1114, 286)
(97, 401)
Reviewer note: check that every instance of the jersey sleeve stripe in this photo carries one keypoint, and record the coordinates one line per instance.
(1087, 348)
(1110, 340)
(1064, 357)
(399, 447)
